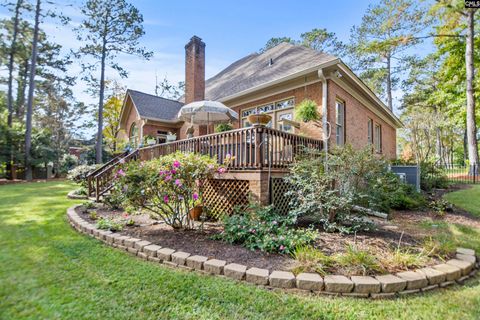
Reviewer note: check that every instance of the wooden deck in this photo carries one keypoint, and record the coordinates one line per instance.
(256, 149)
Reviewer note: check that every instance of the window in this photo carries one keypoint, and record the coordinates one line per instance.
(278, 110)
(161, 137)
(378, 138)
(340, 122)
(370, 131)
(133, 137)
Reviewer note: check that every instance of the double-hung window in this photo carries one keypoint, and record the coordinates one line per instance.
(378, 138)
(370, 131)
(340, 122)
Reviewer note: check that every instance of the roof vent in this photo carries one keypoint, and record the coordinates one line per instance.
(270, 62)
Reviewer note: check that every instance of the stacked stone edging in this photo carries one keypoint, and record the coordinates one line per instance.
(464, 266)
(74, 196)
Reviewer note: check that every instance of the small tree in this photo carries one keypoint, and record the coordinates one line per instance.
(110, 27)
(112, 113)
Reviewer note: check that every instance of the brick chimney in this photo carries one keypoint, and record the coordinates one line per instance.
(194, 70)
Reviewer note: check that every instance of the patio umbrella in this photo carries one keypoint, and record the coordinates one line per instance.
(206, 112)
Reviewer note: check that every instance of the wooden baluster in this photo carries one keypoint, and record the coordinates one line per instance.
(259, 147)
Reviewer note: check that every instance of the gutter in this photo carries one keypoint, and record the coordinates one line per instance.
(280, 80)
(325, 124)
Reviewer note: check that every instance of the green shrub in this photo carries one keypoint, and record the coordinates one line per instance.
(432, 177)
(264, 229)
(330, 190)
(93, 215)
(440, 206)
(89, 205)
(116, 198)
(79, 174)
(167, 187)
(109, 224)
(67, 163)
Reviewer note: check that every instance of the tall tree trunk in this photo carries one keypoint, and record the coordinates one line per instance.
(98, 147)
(21, 89)
(11, 60)
(438, 137)
(31, 88)
(471, 123)
(389, 82)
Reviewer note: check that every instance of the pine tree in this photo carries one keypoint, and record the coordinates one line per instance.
(110, 27)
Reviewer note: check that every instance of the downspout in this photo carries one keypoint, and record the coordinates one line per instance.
(325, 123)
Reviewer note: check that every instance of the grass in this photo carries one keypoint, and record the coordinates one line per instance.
(467, 199)
(357, 261)
(49, 271)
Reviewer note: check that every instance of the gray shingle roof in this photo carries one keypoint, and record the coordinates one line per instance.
(153, 107)
(254, 69)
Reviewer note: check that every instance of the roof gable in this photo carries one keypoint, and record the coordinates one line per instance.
(153, 107)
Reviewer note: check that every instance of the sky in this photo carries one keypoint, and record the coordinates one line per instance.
(230, 29)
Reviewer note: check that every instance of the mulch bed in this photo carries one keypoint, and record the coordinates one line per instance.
(196, 241)
(402, 229)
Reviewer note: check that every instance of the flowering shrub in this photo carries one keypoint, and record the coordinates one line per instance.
(265, 230)
(168, 187)
(79, 174)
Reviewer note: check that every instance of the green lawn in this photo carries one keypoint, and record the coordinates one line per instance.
(467, 199)
(49, 271)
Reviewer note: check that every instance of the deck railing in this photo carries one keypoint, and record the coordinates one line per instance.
(253, 148)
(103, 180)
(91, 175)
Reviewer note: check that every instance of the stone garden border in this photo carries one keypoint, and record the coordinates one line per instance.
(464, 266)
(73, 195)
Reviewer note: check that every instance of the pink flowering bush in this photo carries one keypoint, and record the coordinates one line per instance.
(168, 187)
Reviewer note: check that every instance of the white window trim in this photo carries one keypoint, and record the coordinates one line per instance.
(273, 112)
(341, 125)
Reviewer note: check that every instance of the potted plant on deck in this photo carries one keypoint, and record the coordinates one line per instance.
(150, 140)
(171, 137)
(259, 119)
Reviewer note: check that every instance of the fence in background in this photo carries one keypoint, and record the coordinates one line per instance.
(458, 173)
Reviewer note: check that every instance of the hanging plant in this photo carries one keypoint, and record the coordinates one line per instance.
(306, 111)
(222, 127)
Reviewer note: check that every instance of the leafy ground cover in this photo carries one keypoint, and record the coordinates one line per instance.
(48, 271)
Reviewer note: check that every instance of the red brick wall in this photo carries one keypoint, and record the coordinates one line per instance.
(312, 91)
(356, 116)
(194, 70)
(356, 122)
(131, 118)
(151, 129)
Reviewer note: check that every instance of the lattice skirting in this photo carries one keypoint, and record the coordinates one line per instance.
(221, 196)
(278, 188)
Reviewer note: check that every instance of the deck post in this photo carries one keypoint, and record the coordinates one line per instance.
(259, 156)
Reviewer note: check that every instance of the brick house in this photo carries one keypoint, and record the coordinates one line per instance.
(272, 82)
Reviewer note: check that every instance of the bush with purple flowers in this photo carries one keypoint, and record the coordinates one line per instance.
(263, 229)
(168, 187)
